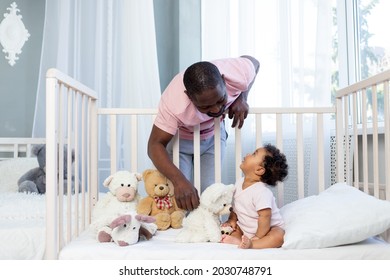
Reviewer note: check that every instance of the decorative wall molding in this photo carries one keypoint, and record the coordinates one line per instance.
(13, 34)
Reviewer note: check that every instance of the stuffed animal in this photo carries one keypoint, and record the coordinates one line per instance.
(34, 181)
(203, 223)
(121, 198)
(226, 230)
(128, 229)
(160, 202)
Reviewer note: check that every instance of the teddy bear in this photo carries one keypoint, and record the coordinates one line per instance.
(122, 197)
(128, 229)
(160, 202)
(34, 180)
(203, 223)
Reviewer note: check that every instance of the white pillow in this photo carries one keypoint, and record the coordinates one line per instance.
(12, 169)
(339, 215)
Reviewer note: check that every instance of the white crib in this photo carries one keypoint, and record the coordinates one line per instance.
(73, 118)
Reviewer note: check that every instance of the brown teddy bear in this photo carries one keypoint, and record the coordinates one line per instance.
(160, 202)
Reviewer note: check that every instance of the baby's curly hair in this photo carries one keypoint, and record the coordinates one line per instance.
(275, 164)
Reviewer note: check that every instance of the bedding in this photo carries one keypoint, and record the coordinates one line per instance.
(22, 216)
(163, 246)
(22, 226)
(337, 216)
(12, 169)
(340, 222)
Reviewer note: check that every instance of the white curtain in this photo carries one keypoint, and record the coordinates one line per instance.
(293, 42)
(109, 46)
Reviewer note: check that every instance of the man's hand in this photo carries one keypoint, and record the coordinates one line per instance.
(238, 111)
(186, 195)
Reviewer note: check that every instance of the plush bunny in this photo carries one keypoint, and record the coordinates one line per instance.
(128, 229)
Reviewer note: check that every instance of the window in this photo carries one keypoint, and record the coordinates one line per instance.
(361, 45)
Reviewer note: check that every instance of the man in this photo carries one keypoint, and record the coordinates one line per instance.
(203, 92)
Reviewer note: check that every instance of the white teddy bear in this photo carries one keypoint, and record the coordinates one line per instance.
(203, 224)
(121, 198)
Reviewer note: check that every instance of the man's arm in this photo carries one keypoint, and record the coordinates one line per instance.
(238, 111)
(186, 195)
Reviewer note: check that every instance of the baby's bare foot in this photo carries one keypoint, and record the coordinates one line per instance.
(246, 243)
(230, 240)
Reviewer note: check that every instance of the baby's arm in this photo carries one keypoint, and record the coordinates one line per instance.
(263, 222)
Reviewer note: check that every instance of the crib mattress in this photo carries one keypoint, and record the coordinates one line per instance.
(163, 246)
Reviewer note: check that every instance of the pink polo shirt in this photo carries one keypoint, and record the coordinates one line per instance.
(176, 111)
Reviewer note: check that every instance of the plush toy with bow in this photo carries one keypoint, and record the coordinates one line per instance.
(128, 229)
(160, 202)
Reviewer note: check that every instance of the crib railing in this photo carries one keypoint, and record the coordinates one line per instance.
(365, 117)
(18, 147)
(295, 117)
(70, 128)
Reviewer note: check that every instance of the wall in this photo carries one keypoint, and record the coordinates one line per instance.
(18, 83)
(178, 45)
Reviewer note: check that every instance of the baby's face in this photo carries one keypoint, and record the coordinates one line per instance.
(254, 160)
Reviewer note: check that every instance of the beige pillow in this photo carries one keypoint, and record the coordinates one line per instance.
(12, 169)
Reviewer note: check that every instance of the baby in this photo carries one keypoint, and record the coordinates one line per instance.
(255, 218)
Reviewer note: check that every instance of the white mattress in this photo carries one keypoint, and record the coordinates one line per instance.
(162, 246)
(22, 226)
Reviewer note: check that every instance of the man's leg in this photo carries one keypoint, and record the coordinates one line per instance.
(185, 157)
(207, 165)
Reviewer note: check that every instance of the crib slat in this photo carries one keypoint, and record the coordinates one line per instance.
(16, 150)
(134, 144)
(339, 140)
(387, 136)
(93, 153)
(259, 131)
(217, 150)
(364, 137)
(320, 152)
(70, 113)
(83, 161)
(113, 149)
(375, 140)
(197, 158)
(52, 231)
(238, 152)
(346, 140)
(279, 144)
(355, 141)
(175, 149)
(300, 156)
(61, 143)
(76, 166)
